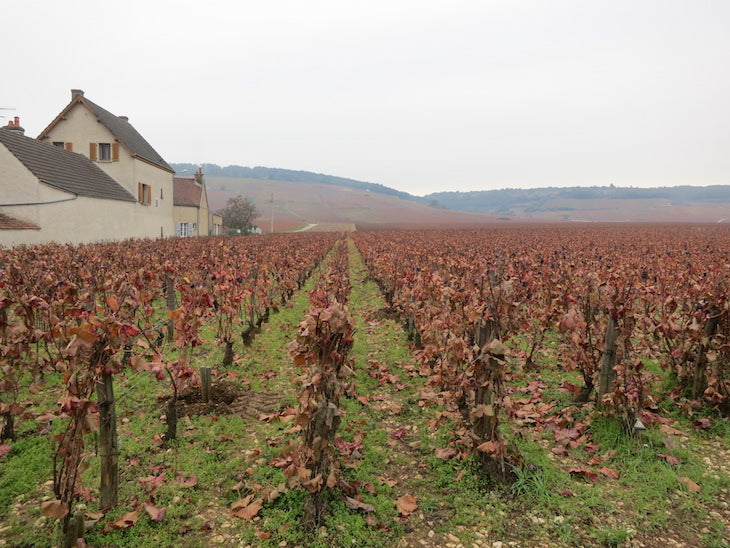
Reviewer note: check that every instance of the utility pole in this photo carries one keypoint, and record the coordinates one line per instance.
(272, 212)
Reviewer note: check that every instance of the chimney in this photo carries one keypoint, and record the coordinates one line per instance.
(77, 93)
(199, 176)
(14, 125)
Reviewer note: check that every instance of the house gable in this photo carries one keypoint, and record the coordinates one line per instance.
(123, 132)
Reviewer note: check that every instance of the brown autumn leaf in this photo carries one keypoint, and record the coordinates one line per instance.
(395, 408)
(4, 449)
(491, 447)
(445, 453)
(689, 484)
(387, 481)
(126, 520)
(671, 459)
(359, 505)
(156, 514)
(584, 473)
(113, 303)
(244, 508)
(192, 481)
(609, 472)
(54, 508)
(406, 505)
(670, 430)
(608, 455)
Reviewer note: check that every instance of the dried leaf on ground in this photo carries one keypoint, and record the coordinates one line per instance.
(54, 508)
(155, 514)
(359, 505)
(126, 520)
(609, 472)
(244, 508)
(671, 459)
(689, 484)
(406, 505)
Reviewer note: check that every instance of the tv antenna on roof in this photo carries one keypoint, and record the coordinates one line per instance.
(6, 108)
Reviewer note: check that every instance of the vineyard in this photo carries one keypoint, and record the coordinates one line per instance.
(517, 386)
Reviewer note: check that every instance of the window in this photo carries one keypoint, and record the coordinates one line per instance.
(105, 152)
(144, 194)
(160, 193)
(59, 144)
(185, 229)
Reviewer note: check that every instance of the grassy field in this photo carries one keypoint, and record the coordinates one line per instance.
(667, 487)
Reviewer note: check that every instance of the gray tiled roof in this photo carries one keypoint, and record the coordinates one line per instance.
(63, 169)
(125, 132)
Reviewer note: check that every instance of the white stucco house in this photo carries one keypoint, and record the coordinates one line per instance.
(191, 206)
(113, 144)
(87, 135)
(49, 194)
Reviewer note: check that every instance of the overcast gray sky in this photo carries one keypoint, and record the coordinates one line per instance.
(418, 95)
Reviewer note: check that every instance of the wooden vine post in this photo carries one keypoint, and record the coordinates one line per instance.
(205, 383)
(487, 375)
(171, 302)
(607, 373)
(108, 442)
(699, 379)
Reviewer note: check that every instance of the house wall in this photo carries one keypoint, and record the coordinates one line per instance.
(75, 219)
(204, 217)
(155, 219)
(216, 224)
(188, 214)
(78, 221)
(80, 127)
(17, 184)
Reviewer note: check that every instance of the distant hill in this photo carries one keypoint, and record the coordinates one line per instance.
(298, 204)
(681, 203)
(289, 176)
(608, 203)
